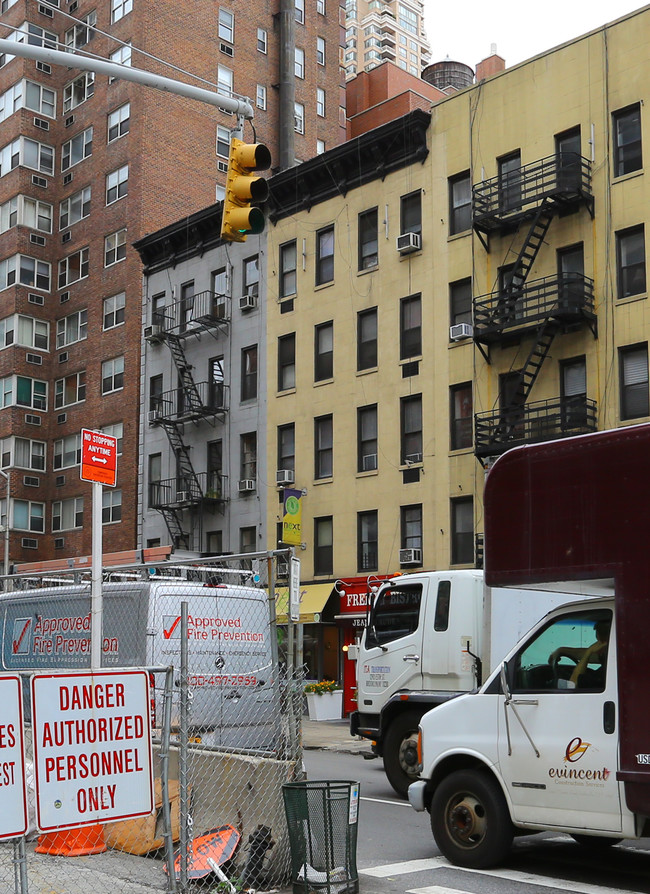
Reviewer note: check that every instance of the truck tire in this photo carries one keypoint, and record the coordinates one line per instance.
(400, 751)
(470, 820)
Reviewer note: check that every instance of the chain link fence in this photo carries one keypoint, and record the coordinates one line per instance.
(225, 716)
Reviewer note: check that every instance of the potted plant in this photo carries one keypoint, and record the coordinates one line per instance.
(324, 700)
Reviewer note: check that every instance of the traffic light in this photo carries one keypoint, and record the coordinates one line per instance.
(239, 216)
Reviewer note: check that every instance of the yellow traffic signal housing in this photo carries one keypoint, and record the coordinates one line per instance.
(240, 217)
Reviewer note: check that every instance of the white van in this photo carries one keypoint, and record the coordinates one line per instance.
(233, 673)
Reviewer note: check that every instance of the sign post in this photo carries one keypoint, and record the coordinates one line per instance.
(99, 465)
(13, 816)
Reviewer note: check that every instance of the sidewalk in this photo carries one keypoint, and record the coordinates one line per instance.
(332, 735)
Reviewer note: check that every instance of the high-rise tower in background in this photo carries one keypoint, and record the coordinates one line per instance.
(385, 30)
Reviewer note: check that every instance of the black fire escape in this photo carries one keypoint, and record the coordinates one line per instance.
(179, 499)
(528, 199)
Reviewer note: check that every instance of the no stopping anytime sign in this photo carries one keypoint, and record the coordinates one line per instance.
(92, 747)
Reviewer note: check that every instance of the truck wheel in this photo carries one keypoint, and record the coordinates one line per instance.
(470, 820)
(400, 752)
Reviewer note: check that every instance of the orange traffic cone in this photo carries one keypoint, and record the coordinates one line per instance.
(73, 842)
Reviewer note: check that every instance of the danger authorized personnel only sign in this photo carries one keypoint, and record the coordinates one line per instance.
(98, 457)
(13, 816)
(92, 747)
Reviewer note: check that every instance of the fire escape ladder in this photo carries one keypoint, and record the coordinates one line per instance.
(191, 397)
(176, 531)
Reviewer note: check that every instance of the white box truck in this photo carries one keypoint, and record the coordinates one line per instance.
(232, 656)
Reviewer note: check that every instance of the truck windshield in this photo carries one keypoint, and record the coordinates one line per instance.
(395, 614)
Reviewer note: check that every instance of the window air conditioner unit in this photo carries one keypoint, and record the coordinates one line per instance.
(460, 331)
(369, 462)
(153, 333)
(154, 415)
(412, 458)
(410, 557)
(247, 302)
(284, 476)
(246, 485)
(182, 496)
(408, 242)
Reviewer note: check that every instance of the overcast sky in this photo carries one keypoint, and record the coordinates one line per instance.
(464, 30)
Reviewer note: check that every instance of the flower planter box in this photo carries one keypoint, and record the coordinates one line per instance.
(328, 706)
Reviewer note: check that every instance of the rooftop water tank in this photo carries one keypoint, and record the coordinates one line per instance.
(448, 74)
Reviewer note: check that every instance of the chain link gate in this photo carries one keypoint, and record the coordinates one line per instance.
(226, 727)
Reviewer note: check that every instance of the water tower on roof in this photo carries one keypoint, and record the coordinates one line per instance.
(447, 74)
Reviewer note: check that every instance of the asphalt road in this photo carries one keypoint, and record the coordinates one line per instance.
(396, 852)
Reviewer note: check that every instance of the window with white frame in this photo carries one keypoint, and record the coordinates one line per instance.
(113, 313)
(224, 80)
(78, 91)
(320, 147)
(320, 7)
(82, 32)
(28, 516)
(299, 117)
(320, 102)
(27, 95)
(70, 390)
(260, 96)
(119, 121)
(75, 208)
(320, 50)
(115, 247)
(300, 11)
(67, 452)
(112, 375)
(30, 393)
(121, 56)
(226, 25)
(262, 40)
(76, 149)
(299, 62)
(116, 430)
(73, 268)
(25, 271)
(32, 333)
(68, 514)
(27, 212)
(111, 506)
(27, 454)
(29, 153)
(120, 8)
(72, 328)
(223, 141)
(28, 33)
(117, 184)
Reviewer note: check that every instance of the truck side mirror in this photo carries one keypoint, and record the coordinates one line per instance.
(505, 686)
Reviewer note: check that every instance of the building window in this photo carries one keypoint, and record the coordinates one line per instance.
(299, 62)
(29, 332)
(114, 248)
(30, 393)
(460, 302)
(73, 268)
(367, 339)
(287, 362)
(68, 514)
(320, 7)
(223, 141)
(320, 50)
(155, 496)
(156, 392)
(112, 375)
(117, 184)
(411, 429)
(368, 239)
(288, 269)
(119, 122)
(320, 147)
(411, 527)
(367, 552)
(26, 212)
(300, 11)
(111, 506)
(633, 374)
(214, 468)
(26, 271)
(320, 102)
(324, 351)
(78, 91)
(67, 452)
(460, 203)
(367, 438)
(226, 26)
(28, 153)
(262, 40)
(120, 56)
(249, 373)
(225, 80)
(28, 516)
(76, 149)
(325, 255)
(411, 213)
(74, 208)
(72, 328)
(248, 455)
(460, 413)
(573, 393)
(248, 539)
(113, 310)
(510, 182)
(462, 531)
(410, 327)
(627, 140)
(630, 262)
(299, 113)
(120, 8)
(115, 430)
(323, 447)
(287, 447)
(27, 454)
(323, 545)
(260, 96)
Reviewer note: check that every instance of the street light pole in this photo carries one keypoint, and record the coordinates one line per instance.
(7, 477)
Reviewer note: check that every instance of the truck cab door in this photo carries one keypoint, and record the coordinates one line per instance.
(558, 735)
(391, 657)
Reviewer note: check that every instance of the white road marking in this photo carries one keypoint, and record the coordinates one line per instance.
(406, 867)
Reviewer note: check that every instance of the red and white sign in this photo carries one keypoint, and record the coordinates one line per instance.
(13, 816)
(98, 457)
(92, 747)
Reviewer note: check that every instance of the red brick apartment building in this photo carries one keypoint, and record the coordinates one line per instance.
(89, 165)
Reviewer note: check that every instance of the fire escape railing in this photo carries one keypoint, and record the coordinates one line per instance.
(180, 492)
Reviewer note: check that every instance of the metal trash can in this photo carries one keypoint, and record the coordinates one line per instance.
(322, 820)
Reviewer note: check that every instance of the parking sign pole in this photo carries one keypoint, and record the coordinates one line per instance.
(96, 600)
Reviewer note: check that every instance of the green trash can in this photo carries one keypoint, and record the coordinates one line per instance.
(322, 819)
